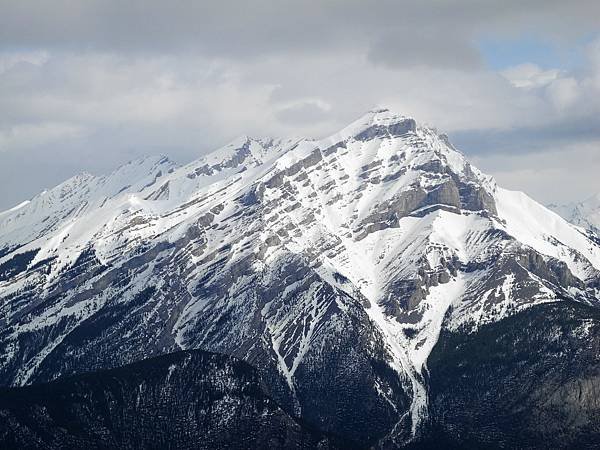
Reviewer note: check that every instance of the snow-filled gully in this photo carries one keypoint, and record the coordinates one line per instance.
(410, 355)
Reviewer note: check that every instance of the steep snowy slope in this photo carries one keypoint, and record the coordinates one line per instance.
(83, 193)
(332, 265)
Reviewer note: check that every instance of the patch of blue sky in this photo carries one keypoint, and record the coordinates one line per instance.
(501, 53)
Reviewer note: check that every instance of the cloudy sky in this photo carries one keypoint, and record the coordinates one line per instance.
(89, 85)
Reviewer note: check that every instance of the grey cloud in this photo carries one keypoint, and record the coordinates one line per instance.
(532, 139)
(437, 48)
(228, 28)
(566, 172)
(90, 85)
(305, 112)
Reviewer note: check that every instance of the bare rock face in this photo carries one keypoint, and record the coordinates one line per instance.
(331, 266)
(396, 129)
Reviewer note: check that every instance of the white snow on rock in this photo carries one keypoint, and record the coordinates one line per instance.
(338, 202)
(585, 214)
(536, 226)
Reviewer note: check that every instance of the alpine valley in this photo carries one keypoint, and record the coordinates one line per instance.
(368, 290)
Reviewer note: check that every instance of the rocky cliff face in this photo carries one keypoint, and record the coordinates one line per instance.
(332, 266)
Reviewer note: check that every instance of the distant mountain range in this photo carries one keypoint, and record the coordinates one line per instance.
(584, 214)
(386, 293)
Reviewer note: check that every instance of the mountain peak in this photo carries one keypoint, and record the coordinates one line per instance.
(238, 155)
(379, 123)
(385, 114)
(365, 248)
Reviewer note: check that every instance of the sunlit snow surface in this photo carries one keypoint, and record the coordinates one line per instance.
(320, 200)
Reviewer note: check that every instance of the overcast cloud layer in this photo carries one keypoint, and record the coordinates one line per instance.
(89, 85)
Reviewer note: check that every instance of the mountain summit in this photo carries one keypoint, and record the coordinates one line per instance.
(339, 268)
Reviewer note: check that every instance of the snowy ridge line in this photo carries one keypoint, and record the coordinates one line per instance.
(375, 240)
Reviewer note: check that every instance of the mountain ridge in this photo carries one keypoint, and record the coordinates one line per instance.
(584, 214)
(316, 261)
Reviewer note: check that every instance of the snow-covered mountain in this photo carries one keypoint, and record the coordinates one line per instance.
(333, 266)
(584, 214)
